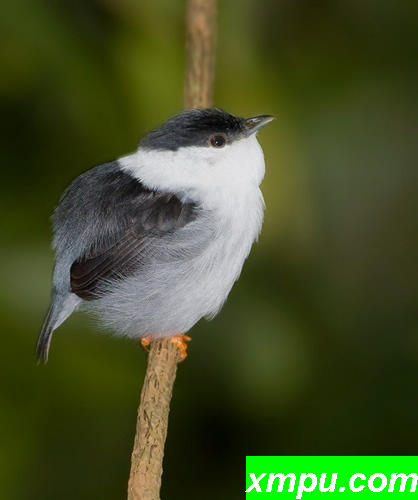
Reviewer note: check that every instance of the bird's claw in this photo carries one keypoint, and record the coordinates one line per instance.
(146, 341)
(180, 341)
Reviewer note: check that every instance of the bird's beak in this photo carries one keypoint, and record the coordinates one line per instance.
(254, 124)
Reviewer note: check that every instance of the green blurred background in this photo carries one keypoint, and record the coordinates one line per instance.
(316, 350)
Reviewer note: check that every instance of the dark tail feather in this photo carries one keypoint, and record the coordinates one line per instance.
(44, 340)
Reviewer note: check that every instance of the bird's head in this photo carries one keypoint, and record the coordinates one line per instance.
(202, 149)
(202, 128)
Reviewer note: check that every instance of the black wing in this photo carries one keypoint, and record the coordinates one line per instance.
(123, 218)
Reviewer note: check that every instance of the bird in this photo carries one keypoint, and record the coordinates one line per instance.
(153, 241)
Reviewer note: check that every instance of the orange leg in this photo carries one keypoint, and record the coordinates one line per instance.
(146, 341)
(181, 342)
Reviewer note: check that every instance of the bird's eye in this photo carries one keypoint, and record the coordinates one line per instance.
(218, 141)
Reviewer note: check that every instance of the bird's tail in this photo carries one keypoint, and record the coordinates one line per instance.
(44, 340)
(61, 307)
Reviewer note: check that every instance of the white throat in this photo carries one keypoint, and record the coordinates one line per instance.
(201, 174)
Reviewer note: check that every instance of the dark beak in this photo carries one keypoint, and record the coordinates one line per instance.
(253, 125)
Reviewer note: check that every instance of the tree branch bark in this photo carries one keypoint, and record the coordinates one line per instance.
(200, 47)
(152, 422)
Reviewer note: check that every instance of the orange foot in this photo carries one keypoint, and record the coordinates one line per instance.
(146, 341)
(181, 342)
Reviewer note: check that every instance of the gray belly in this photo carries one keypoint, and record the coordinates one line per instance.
(170, 297)
(176, 289)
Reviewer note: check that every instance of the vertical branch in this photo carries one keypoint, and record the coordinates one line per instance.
(152, 422)
(151, 428)
(200, 46)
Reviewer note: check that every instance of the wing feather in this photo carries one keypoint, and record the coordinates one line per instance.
(141, 219)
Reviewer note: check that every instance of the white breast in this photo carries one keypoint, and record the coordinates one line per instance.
(225, 184)
(239, 220)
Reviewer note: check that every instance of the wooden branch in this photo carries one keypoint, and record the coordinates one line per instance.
(200, 46)
(151, 429)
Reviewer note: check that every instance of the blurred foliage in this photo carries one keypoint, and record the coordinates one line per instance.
(316, 351)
